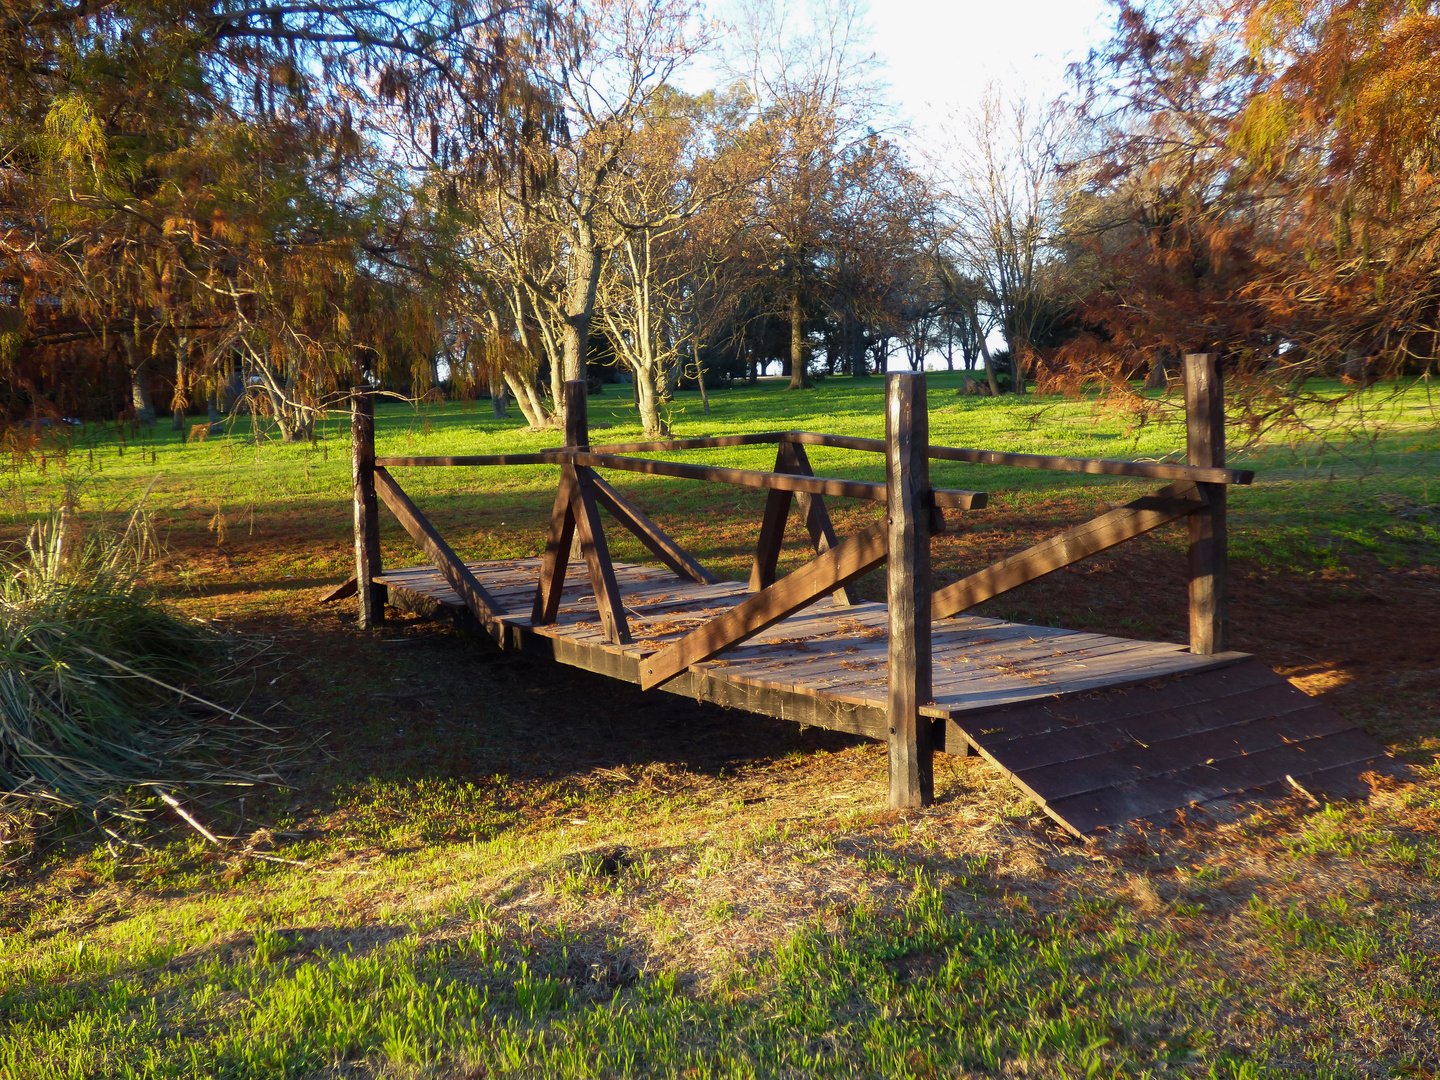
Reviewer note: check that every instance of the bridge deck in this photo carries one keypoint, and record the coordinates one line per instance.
(1098, 729)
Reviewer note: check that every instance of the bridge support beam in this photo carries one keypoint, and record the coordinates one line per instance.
(370, 596)
(1209, 559)
(907, 481)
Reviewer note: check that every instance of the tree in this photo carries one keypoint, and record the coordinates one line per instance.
(813, 101)
(1265, 189)
(126, 125)
(1006, 189)
(672, 209)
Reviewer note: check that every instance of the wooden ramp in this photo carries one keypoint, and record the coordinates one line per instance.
(1098, 730)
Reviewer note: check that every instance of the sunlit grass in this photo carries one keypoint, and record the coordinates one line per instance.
(493, 918)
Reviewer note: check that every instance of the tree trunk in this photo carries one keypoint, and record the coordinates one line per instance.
(1017, 373)
(498, 405)
(855, 346)
(212, 412)
(579, 305)
(530, 405)
(140, 399)
(989, 367)
(647, 397)
(700, 377)
(1158, 379)
(178, 401)
(799, 376)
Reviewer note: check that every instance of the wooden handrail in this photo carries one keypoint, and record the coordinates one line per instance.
(1098, 466)
(949, 498)
(1103, 466)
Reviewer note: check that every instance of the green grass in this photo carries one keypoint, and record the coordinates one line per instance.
(1316, 503)
(491, 868)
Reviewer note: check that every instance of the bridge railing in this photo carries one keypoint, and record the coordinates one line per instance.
(914, 512)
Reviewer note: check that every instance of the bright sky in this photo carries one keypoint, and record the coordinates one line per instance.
(938, 56)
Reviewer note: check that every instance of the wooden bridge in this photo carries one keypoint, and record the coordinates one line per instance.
(1098, 730)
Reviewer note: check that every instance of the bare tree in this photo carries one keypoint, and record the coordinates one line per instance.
(1002, 168)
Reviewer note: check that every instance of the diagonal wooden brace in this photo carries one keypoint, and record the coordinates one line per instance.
(817, 518)
(597, 557)
(1121, 524)
(772, 530)
(651, 535)
(482, 605)
(858, 555)
(556, 559)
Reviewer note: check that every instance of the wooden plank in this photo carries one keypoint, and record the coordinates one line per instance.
(1089, 724)
(706, 442)
(858, 555)
(343, 591)
(980, 697)
(1135, 761)
(481, 604)
(817, 517)
(651, 535)
(597, 558)
(556, 559)
(772, 530)
(1100, 466)
(907, 589)
(1121, 524)
(699, 685)
(371, 606)
(753, 478)
(1205, 444)
(1116, 706)
(464, 459)
(1085, 813)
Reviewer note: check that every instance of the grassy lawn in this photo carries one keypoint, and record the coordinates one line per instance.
(482, 866)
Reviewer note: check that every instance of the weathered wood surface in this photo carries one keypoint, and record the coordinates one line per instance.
(858, 555)
(457, 575)
(1096, 466)
(1049, 707)
(792, 459)
(1121, 524)
(1205, 444)
(907, 590)
(651, 535)
(772, 531)
(540, 458)
(596, 551)
(1100, 466)
(949, 498)
(556, 560)
(343, 591)
(366, 510)
(817, 518)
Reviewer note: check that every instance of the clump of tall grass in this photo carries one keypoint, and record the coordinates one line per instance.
(103, 693)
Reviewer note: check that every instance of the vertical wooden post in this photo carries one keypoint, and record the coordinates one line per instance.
(1205, 444)
(907, 482)
(371, 597)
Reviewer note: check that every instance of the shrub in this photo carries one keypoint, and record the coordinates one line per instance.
(96, 709)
